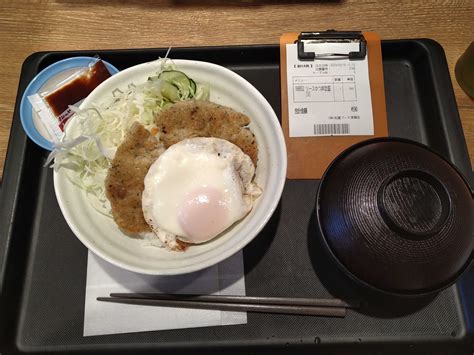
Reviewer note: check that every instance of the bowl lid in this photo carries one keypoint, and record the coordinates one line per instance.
(396, 216)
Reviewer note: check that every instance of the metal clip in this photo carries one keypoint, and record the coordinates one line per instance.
(331, 36)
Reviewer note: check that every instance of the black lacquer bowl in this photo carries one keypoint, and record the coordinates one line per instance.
(396, 217)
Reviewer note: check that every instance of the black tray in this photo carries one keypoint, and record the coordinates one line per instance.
(43, 265)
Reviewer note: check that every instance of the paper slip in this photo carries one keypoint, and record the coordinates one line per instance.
(328, 97)
(112, 318)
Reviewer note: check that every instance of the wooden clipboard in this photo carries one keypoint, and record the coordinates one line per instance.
(308, 157)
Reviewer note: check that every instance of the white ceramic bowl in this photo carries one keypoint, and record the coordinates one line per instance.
(102, 236)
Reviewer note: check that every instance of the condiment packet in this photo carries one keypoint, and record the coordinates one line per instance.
(53, 106)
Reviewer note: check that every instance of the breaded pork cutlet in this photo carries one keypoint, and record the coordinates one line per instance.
(124, 183)
(187, 119)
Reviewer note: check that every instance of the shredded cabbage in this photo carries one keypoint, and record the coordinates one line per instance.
(93, 135)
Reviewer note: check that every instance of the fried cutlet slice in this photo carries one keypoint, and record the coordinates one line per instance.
(124, 182)
(187, 119)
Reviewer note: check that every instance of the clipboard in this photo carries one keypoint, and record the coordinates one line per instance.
(308, 157)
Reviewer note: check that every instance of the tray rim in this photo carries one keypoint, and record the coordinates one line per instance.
(18, 143)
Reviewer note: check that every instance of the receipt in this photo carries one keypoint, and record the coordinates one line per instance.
(328, 97)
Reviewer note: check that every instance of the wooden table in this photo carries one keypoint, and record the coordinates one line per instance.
(27, 27)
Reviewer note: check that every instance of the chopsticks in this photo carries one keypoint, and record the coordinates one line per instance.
(330, 307)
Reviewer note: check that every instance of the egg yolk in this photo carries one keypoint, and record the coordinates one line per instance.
(203, 214)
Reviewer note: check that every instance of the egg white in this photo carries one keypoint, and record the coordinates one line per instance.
(195, 163)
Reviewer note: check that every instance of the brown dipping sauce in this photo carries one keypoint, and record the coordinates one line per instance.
(76, 90)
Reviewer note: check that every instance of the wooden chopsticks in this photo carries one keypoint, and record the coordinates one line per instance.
(330, 307)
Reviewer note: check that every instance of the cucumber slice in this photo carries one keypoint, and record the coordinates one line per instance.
(169, 91)
(176, 77)
(193, 87)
